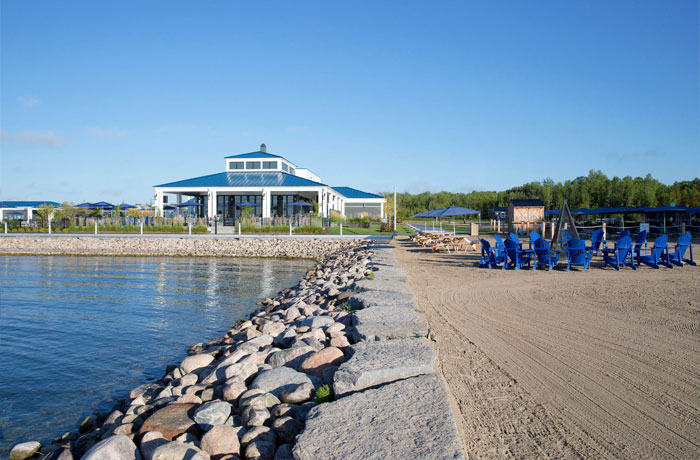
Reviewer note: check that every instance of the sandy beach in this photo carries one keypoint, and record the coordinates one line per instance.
(595, 364)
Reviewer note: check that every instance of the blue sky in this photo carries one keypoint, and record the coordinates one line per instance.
(103, 100)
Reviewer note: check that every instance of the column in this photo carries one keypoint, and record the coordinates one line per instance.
(266, 203)
(320, 202)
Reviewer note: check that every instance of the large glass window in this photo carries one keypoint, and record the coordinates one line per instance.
(229, 211)
(235, 165)
(269, 165)
(252, 165)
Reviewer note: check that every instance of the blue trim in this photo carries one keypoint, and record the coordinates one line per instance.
(247, 179)
(31, 204)
(349, 192)
(258, 154)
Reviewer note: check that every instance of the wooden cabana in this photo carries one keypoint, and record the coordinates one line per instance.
(525, 216)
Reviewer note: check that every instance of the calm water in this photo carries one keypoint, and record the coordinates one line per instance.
(76, 332)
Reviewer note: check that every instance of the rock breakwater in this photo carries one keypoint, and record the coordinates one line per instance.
(308, 248)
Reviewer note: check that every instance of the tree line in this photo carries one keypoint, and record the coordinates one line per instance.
(590, 191)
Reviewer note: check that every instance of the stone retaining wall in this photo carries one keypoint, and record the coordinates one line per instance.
(390, 402)
(309, 248)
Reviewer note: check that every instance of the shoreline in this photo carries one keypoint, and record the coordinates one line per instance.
(265, 373)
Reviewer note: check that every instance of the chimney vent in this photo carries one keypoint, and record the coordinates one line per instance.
(263, 148)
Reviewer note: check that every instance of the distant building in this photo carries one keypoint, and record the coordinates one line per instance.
(22, 210)
(525, 216)
(271, 183)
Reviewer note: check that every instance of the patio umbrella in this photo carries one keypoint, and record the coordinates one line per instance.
(189, 203)
(455, 211)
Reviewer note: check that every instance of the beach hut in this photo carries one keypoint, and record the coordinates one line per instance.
(525, 216)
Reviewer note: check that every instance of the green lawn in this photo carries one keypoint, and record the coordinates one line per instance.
(372, 230)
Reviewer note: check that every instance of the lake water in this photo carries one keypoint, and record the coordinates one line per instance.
(77, 333)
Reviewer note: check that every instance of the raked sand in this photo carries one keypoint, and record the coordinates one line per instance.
(596, 364)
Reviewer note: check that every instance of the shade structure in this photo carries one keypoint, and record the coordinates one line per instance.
(189, 203)
(103, 205)
(302, 204)
(455, 211)
(245, 204)
(433, 212)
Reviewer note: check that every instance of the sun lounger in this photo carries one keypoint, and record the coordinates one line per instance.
(618, 256)
(654, 257)
(677, 256)
(578, 254)
(544, 254)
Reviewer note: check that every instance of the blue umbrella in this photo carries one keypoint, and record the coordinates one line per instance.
(189, 203)
(455, 211)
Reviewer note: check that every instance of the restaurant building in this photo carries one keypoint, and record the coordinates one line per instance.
(271, 186)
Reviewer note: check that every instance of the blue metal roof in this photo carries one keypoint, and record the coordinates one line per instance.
(30, 204)
(349, 192)
(245, 179)
(258, 154)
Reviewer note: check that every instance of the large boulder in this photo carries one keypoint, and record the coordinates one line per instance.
(195, 362)
(117, 447)
(212, 413)
(24, 450)
(221, 440)
(179, 451)
(172, 420)
(277, 380)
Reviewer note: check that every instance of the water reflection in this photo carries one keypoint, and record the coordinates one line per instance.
(79, 331)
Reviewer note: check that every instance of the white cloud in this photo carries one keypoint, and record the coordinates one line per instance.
(106, 133)
(29, 101)
(48, 138)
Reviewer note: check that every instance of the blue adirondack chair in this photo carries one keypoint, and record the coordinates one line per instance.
(544, 254)
(618, 257)
(677, 256)
(490, 256)
(654, 257)
(640, 243)
(578, 254)
(534, 236)
(597, 240)
(515, 256)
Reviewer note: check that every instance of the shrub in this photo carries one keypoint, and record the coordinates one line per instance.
(324, 394)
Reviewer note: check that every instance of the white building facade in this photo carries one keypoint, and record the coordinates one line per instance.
(271, 186)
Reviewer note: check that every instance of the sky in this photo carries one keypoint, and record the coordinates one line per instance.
(99, 101)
